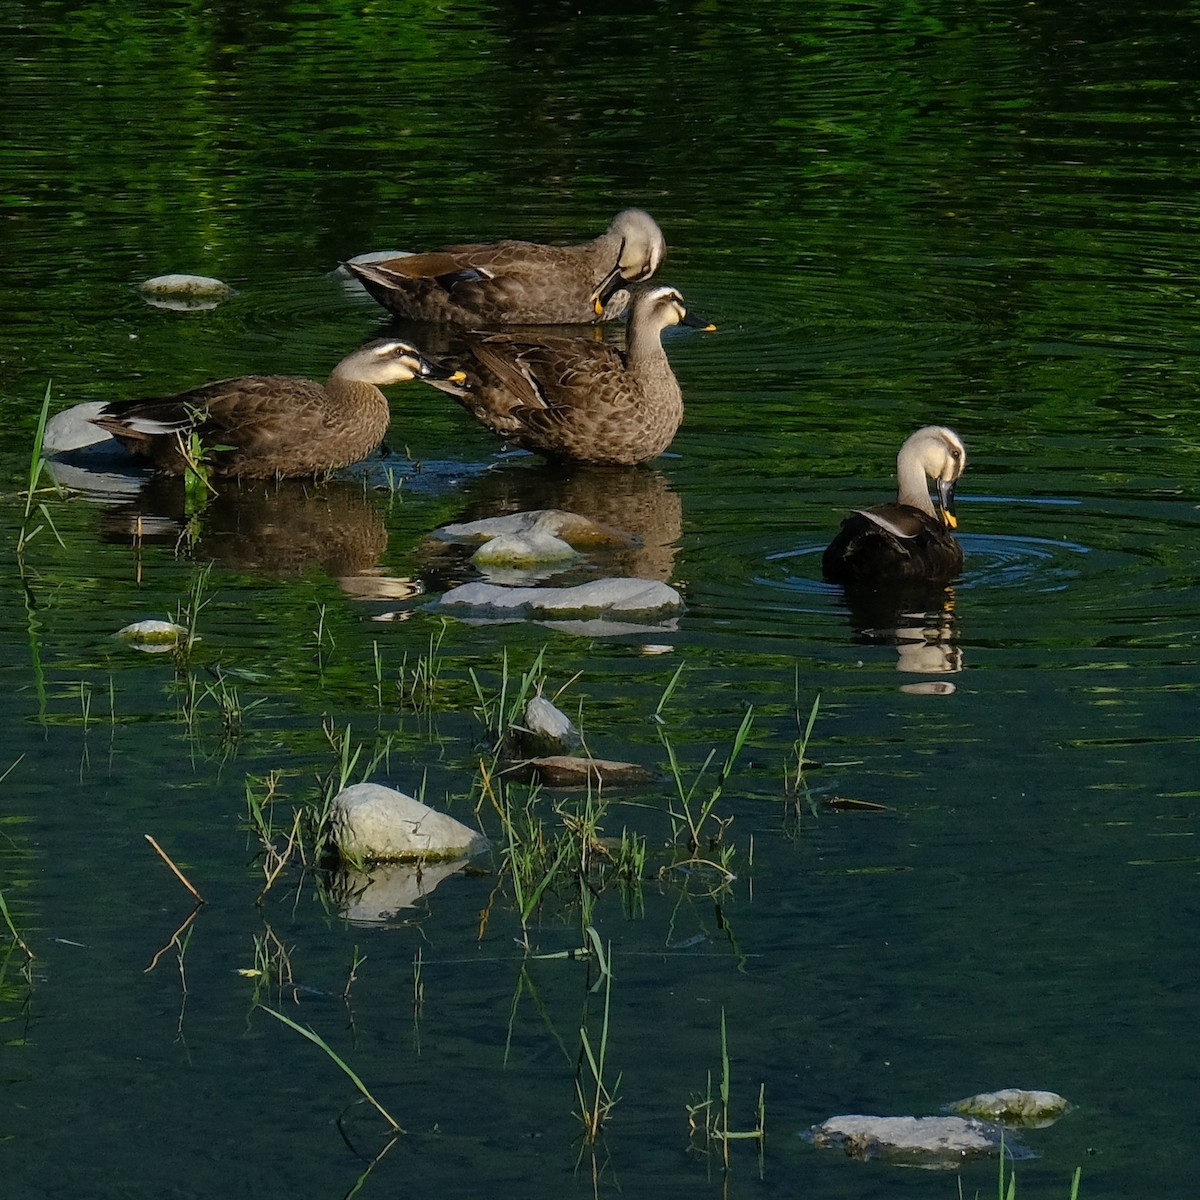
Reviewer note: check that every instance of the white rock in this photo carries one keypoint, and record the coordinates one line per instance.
(616, 597)
(72, 429)
(373, 823)
(184, 293)
(546, 730)
(1015, 1106)
(939, 1142)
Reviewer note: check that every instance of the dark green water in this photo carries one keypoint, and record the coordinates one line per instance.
(982, 215)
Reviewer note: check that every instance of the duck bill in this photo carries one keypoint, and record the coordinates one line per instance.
(610, 285)
(435, 370)
(945, 503)
(694, 322)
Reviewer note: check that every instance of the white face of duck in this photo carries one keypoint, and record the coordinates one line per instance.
(937, 453)
(391, 360)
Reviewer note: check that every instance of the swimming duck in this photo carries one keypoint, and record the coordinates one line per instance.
(520, 283)
(579, 400)
(909, 539)
(263, 426)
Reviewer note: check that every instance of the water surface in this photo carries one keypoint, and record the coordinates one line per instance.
(977, 215)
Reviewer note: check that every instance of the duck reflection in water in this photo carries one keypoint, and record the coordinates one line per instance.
(283, 528)
(919, 620)
(638, 515)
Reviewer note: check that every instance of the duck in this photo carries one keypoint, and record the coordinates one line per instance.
(520, 283)
(273, 426)
(576, 399)
(910, 539)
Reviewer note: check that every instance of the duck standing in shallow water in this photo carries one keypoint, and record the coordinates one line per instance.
(272, 426)
(520, 283)
(910, 539)
(578, 400)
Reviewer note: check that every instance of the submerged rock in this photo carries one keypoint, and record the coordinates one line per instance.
(568, 770)
(373, 823)
(646, 599)
(1015, 1106)
(183, 293)
(933, 1142)
(154, 637)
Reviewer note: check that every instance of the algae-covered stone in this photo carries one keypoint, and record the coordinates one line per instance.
(154, 637)
(1015, 1106)
(374, 823)
(523, 550)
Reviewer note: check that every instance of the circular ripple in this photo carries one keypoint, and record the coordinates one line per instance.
(1028, 563)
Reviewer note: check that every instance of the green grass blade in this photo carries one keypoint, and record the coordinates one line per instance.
(318, 1040)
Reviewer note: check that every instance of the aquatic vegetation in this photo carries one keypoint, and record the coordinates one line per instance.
(597, 1097)
(338, 1061)
(709, 1122)
(37, 464)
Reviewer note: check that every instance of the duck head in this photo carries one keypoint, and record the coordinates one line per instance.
(935, 453)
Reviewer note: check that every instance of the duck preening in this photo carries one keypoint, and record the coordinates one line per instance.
(520, 283)
(576, 399)
(263, 426)
(912, 538)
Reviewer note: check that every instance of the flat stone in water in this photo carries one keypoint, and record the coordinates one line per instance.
(1015, 1106)
(185, 293)
(938, 1143)
(647, 599)
(565, 770)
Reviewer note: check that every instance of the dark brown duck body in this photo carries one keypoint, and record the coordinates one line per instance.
(271, 426)
(579, 400)
(866, 551)
(911, 539)
(519, 283)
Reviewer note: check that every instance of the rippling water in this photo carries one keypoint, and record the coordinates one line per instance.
(976, 215)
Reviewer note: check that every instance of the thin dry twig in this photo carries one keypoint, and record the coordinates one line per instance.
(178, 873)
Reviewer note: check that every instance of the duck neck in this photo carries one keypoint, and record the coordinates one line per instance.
(349, 390)
(644, 351)
(914, 489)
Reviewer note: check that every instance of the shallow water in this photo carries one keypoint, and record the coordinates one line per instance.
(978, 215)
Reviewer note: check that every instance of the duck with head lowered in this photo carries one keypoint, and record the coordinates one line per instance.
(577, 399)
(273, 426)
(910, 539)
(520, 283)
